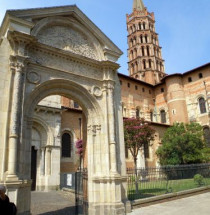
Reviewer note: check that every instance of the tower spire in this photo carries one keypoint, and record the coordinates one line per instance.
(138, 5)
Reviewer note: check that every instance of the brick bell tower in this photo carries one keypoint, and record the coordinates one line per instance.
(144, 53)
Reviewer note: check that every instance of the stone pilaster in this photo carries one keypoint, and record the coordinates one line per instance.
(18, 65)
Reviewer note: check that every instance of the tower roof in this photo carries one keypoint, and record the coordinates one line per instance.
(138, 5)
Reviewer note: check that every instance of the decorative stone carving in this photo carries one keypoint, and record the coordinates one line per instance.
(33, 77)
(68, 39)
(96, 91)
(93, 129)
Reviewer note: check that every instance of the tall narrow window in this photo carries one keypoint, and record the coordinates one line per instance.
(142, 49)
(139, 26)
(146, 39)
(141, 39)
(202, 105)
(148, 53)
(163, 116)
(151, 116)
(144, 64)
(150, 63)
(137, 112)
(66, 145)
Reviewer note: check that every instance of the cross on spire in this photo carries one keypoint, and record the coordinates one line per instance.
(138, 5)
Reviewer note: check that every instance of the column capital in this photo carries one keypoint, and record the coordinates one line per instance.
(18, 63)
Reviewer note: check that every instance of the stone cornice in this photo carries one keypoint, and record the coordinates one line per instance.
(10, 18)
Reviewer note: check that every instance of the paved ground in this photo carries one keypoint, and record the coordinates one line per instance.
(194, 205)
(52, 203)
(62, 203)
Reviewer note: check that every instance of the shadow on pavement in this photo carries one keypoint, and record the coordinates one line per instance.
(64, 211)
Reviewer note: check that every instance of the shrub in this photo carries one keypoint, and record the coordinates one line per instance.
(198, 179)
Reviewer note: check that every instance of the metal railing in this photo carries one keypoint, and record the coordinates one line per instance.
(149, 182)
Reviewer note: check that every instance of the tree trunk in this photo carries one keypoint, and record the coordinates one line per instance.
(136, 178)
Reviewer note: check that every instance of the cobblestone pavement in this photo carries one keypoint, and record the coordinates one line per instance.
(194, 205)
(52, 203)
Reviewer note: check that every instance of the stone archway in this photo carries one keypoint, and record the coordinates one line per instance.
(87, 73)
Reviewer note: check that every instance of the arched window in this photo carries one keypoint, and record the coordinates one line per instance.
(144, 64)
(142, 49)
(136, 66)
(141, 39)
(135, 53)
(144, 25)
(150, 63)
(151, 116)
(163, 116)
(202, 105)
(139, 25)
(146, 39)
(131, 42)
(66, 145)
(148, 53)
(137, 112)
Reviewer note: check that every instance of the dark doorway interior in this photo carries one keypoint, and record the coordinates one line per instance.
(33, 167)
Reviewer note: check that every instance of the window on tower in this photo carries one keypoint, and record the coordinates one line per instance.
(139, 25)
(142, 49)
(148, 52)
(150, 63)
(141, 39)
(146, 39)
(144, 64)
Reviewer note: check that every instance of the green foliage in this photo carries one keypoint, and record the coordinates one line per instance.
(137, 132)
(206, 154)
(182, 144)
(198, 179)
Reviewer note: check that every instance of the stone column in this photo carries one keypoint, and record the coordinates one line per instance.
(42, 168)
(48, 161)
(112, 128)
(16, 114)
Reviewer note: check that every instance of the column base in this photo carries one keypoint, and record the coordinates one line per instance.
(106, 209)
(12, 177)
(19, 193)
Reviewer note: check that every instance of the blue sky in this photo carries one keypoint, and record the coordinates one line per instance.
(183, 26)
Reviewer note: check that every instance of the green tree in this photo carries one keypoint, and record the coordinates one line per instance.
(182, 144)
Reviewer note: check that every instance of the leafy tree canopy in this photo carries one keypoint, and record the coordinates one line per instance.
(182, 144)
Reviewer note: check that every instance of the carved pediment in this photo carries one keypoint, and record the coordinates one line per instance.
(68, 39)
